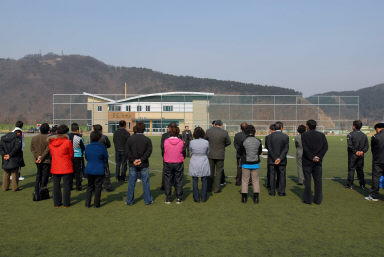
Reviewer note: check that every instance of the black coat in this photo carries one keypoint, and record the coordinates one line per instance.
(138, 146)
(120, 137)
(11, 144)
(237, 142)
(377, 148)
(314, 144)
(357, 141)
(278, 146)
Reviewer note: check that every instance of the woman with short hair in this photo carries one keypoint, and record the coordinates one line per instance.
(299, 154)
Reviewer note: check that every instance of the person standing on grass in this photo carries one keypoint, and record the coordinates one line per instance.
(315, 146)
(377, 149)
(97, 156)
(19, 127)
(218, 139)
(199, 164)
(278, 146)
(249, 152)
(61, 150)
(78, 149)
(272, 129)
(139, 149)
(357, 147)
(174, 155)
(12, 158)
(299, 154)
(237, 141)
(120, 137)
(187, 137)
(104, 140)
(40, 151)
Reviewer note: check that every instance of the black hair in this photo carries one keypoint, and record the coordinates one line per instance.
(218, 123)
(301, 129)
(280, 123)
(172, 125)
(140, 127)
(357, 124)
(62, 129)
(278, 126)
(44, 128)
(74, 127)
(54, 129)
(379, 125)
(95, 136)
(213, 122)
(311, 124)
(250, 130)
(19, 124)
(98, 127)
(198, 133)
(272, 127)
(122, 124)
(243, 126)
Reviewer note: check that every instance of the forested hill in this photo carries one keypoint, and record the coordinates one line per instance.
(371, 102)
(27, 84)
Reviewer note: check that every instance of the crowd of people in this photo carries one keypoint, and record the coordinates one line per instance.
(61, 154)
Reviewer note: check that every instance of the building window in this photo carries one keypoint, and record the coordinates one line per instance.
(99, 108)
(168, 108)
(139, 108)
(147, 108)
(128, 108)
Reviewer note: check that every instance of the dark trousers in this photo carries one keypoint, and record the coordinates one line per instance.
(107, 178)
(314, 170)
(239, 172)
(277, 178)
(77, 171)
(173, 172)
(121, 162)
(94, 186)
(217, 168)
(196, 193)
(58, 197)
(42, 175)
(163, 177)
(377, 172)
(355, 163)
(188, 154)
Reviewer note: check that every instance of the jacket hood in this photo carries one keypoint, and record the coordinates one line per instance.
(174, 140)
(55, 140)
(9, 137)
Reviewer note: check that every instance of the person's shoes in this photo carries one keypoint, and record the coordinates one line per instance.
(244, 197)
(348, 186)
(179, 201)
(138, 180)
(168, 202)
(272, 193)
(282, 194)
(125, 180)
(306, 202)
(256, 197)
(371, 198)
(300, 184)
(151, 202)
(108, 190)
(218, 191)
(21, 178)
(238, 184)
(196, 200)
(79, 189)
(97, 206)
(87, 206)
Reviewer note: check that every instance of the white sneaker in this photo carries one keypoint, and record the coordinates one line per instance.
(168, 203)
(21, 178)
(138, 180)
(370, 198)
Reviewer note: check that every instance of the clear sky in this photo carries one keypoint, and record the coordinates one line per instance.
(311, 46)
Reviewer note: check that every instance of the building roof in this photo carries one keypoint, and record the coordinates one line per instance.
(164, 94)
(98, 97)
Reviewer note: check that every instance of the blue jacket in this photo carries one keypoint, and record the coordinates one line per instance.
(96, 155)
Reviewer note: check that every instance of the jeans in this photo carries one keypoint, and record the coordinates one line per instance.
(133, 173)
(121, 161)
(65, 198)
(204, 185)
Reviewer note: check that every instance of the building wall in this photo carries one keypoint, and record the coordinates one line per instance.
(200, 114)
(98, 117)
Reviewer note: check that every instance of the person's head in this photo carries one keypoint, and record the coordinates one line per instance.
(250, 130)
(54, 129)
(75, 127)
(243, 126)
(95, 136)
(140, 127)
(311, 125)
(19, 124)
(357, 124)
(379, 127)
(171, 125)
(198, 133)
(134, 129)
(301, 129)
(213, 123)
(280, 124)
(186, 127)
(122, 124)
(98, 127)
(218, 123)
(272, 128)
(174, 132)
(62, 130)
(44, 128)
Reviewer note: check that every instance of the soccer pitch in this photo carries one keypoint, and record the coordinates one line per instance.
(343, 225)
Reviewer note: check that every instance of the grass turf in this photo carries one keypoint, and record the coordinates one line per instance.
(343, 225)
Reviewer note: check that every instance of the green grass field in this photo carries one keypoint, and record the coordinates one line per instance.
(343, 225)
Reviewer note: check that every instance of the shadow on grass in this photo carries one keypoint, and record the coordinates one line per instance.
(79, 198)
(119, 197)
(298, 191)
(358, 189)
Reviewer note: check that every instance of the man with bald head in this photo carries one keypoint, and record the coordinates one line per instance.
(239, 138)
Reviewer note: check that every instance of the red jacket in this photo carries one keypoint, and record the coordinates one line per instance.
(61, 150)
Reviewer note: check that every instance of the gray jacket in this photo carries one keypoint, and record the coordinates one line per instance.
(199, 164)
(299, 146)
(218, 140)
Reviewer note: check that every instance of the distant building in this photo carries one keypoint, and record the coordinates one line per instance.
(155, 110)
